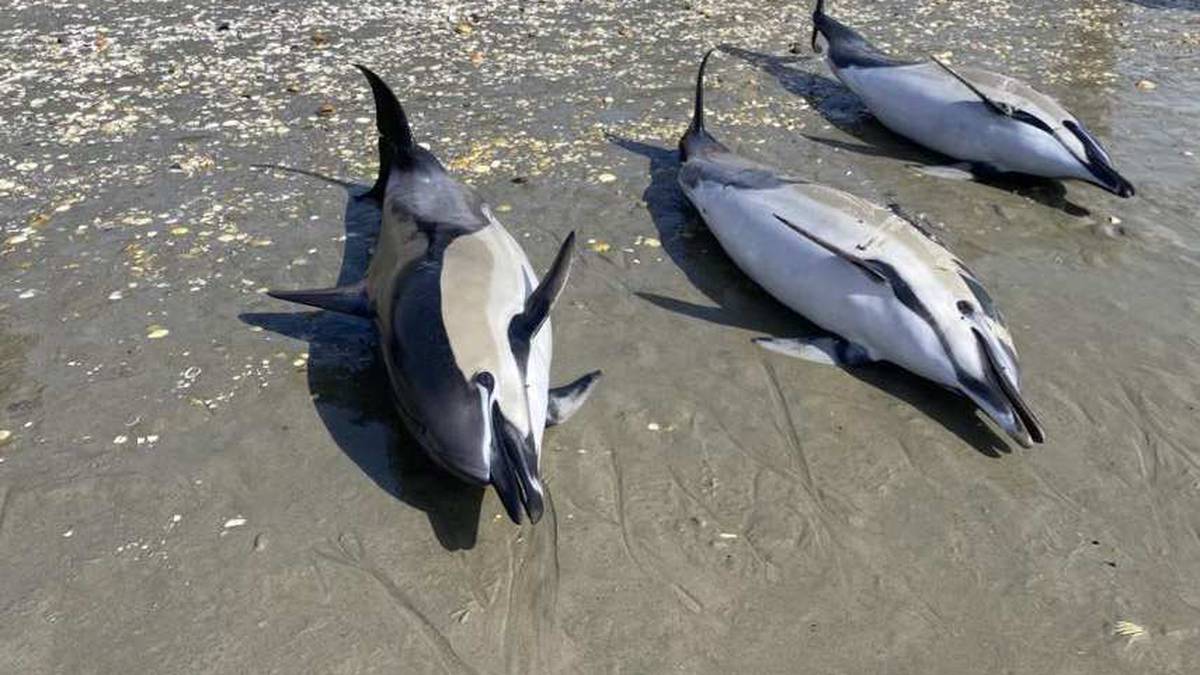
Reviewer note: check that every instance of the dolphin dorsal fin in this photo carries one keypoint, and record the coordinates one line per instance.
(351, 299)
(537, 306)
(396, 145)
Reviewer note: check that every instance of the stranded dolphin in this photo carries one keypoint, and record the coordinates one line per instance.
(886, 289)
(463, 321)
(993, 123)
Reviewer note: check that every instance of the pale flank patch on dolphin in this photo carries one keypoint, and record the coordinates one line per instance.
(995, 122)
(885, 288)
(463, 322)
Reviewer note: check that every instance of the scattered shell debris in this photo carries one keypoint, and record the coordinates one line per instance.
(1129, 629)
(599, 246)
(234, 522)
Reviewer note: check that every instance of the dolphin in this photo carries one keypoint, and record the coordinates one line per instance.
(464, 323)
(992, 123)
(884, 288)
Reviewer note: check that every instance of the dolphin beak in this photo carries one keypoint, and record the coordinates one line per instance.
(1018, 433)
(1124, 189)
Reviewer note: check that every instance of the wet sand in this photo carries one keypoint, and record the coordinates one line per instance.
(198, 478)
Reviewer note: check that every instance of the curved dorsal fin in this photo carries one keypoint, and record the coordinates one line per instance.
(698, 107)
(396, 146)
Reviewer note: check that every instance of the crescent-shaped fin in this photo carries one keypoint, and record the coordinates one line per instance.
(396, 146)
(351, 299)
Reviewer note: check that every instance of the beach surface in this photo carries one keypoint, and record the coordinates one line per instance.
(196, 478)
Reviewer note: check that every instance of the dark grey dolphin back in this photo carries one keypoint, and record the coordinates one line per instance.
(848, 49)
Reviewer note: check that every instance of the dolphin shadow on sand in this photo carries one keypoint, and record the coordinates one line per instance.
(739, 302)
(842, 108)
(353, 398)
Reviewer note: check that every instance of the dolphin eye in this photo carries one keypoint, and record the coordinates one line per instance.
(485, 380)
(966, 308)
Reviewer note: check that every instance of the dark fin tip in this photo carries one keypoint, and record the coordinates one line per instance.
(698, 110)
(351, 299)
(390, 119)
(817, 17)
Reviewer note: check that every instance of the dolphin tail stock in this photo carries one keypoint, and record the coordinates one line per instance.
(396, 146)
(566, 400)
(351, 299)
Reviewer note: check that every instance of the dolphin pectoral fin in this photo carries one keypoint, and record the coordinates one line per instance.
(351, 299)
(959, 171)
(825, 350)
(564, 401)
(539, 303)
(864, 265)
(999, 107)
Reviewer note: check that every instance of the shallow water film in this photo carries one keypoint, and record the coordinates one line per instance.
(196, 478)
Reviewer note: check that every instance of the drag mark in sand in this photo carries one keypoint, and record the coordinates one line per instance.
(685, 597)
(4, 501)
(767, 565)
(529, 635)
(820, 510)
(348, 551)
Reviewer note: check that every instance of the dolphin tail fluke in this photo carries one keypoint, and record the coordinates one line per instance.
(351, 299)
(567, 399)
(396, 145)
(539, 303)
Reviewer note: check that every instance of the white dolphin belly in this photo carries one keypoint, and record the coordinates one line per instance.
(923, 103)
(815, 283)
